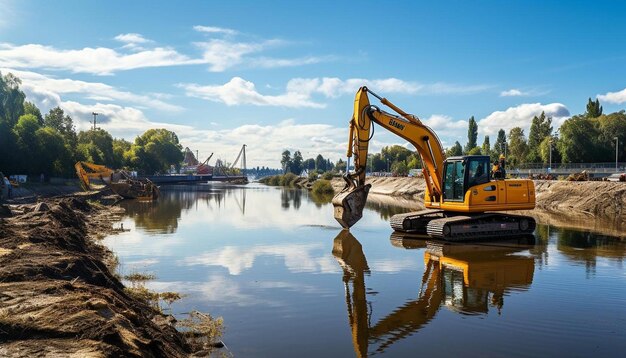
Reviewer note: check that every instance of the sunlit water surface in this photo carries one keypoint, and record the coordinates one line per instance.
(273, 264)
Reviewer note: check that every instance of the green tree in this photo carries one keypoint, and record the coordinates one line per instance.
(578, 140)
(95, 146)
(611, 126)
(413, 161)
(486, 149)
(378, 163)
(286, 161)
(455, 150)
(518, 148)
(320, 163)
(498, 146)
(27, 149)
(544, 150)
(340, 166)
(475, 151)
(120, 147)
(11, 99)
(309, 164)
(594, 109)
(296, 163)
(540, 128)
(155, 151)
(472, 134)
(399, 168)
(64, 124)
(30, 108)
(54, 158)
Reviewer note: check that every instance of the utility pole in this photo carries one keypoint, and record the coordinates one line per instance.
(550, 165)
(94, 119)
(616, 151)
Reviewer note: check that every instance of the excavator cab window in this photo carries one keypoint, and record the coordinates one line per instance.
(454, 180)
(478, 171)
(462, 173)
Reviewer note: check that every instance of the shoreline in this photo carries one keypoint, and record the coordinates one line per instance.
(58, 291)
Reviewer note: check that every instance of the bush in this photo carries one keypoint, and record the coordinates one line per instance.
(274, 180)
(327, 176)
(322, 186)
(313, 176)
(288, 179)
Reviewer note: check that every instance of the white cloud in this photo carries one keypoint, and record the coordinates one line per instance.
(132, 38)
(613, 97)
(521, 116)
(512, 93)
(299, 91)
(38, 85)
(239, 91)
(215, 30)
(267, 62)
(99, 61)
(297, 257)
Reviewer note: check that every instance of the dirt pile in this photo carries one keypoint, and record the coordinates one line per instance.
(59, 298)
(595, 199)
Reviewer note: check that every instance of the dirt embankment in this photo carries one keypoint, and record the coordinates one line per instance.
(59, 298)
(590, 200)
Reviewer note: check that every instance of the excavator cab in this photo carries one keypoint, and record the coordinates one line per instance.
(463, 172)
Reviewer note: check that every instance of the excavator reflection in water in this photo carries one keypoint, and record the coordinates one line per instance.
(464, 278)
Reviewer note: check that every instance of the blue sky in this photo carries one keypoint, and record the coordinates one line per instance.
(282, 74)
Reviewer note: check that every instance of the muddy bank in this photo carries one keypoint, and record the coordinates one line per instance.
(58, 296)
(603, 202)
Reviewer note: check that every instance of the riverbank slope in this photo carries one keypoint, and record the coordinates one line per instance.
(58, 296)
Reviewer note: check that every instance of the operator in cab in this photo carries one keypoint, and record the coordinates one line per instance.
(498, 170)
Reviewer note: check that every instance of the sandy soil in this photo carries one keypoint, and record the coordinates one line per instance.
(59, 298)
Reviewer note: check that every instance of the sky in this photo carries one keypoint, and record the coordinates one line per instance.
(278, 75)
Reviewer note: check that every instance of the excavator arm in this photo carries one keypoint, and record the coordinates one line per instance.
(87, 171)
(349, 203)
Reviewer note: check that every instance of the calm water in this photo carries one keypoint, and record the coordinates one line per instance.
(274, 264)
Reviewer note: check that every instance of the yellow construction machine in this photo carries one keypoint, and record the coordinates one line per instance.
(120, 182)
(460, 195)
(464, 278)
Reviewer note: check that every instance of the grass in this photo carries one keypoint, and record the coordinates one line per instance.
(202, 330)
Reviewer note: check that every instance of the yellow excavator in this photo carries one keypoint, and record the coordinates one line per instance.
(464, 278)
(460, 195)
(120, 182)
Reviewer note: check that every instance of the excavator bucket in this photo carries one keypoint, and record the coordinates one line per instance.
(349, 204)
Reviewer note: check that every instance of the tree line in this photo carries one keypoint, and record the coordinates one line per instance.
(583, 138)
(296, 164)
(33, 143)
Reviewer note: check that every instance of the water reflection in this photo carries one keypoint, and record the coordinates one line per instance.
(465, 278)
(162, 216)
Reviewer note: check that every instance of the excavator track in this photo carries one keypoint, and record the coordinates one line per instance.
(414, 222)
(440, 225)
(481, 226)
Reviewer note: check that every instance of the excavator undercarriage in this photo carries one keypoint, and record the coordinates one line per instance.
(449, 226)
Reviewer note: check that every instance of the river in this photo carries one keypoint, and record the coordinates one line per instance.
(288, 282)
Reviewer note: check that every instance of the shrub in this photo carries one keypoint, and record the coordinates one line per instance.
(313, 176)
(274, 180)
(288, 179)
(327, 176)
(323, 186)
